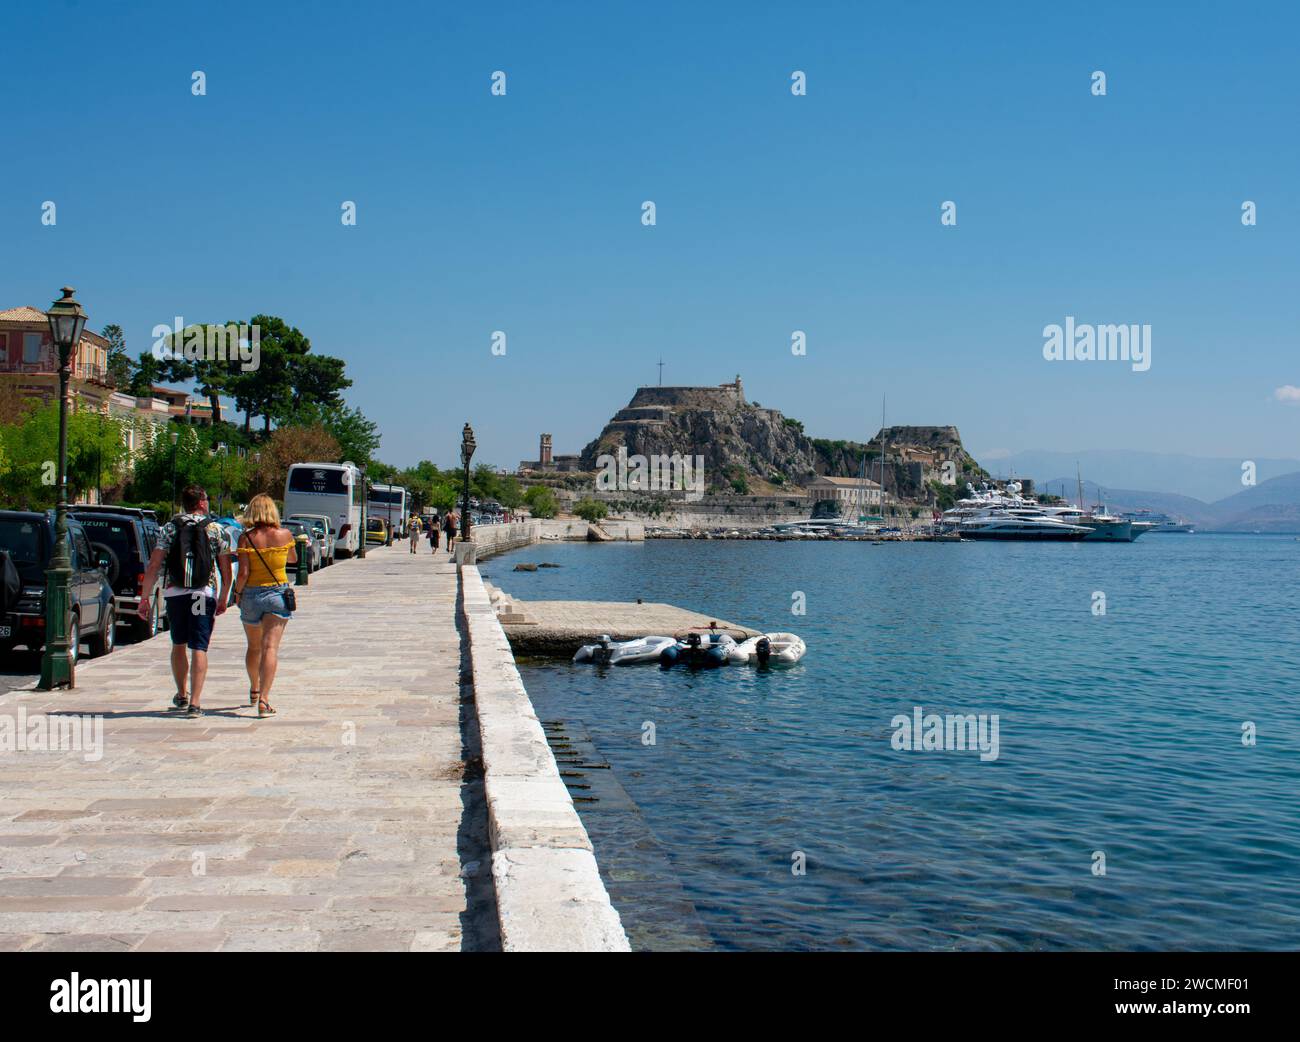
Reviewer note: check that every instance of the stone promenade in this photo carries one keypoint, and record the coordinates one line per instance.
(355, 819)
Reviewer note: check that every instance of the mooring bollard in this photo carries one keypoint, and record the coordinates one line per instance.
(303, 562)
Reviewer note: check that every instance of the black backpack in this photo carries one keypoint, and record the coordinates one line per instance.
(189, 560)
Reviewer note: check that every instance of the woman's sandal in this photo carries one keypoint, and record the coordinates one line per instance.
(252, 697)
(264, 708)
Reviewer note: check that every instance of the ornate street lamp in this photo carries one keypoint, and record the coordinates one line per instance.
(58, 665)
(467, 447)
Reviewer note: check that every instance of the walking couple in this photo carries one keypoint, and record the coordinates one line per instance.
(196, 553)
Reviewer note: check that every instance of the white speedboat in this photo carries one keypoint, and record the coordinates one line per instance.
(769, 649)
(623, 652)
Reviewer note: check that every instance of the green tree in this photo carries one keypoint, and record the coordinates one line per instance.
(591, 510)
(357, 436)
(198, 459)
(268, 390)
(541, 501)
(146, 372)
(119, 362)
(96, 455)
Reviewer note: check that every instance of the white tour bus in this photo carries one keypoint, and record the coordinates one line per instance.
(389, 502)
(333, 489)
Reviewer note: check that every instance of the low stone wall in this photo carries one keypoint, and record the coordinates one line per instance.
(576, 529)
(550, 896)
(496, 539)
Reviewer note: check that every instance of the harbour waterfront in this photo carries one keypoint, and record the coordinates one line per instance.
(1121, 735)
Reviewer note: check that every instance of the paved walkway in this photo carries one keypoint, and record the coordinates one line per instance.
(352, 820)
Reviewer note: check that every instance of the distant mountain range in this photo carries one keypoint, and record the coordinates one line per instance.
(1270, 506)
(1203, 478)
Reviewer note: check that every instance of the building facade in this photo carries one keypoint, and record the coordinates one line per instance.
(848, 492)
(29, 360)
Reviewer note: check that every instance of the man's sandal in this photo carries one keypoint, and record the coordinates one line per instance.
(180, 702)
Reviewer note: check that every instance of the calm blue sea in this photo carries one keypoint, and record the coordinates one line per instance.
(1120, 735)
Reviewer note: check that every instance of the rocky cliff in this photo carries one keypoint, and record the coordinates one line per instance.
(747, 447)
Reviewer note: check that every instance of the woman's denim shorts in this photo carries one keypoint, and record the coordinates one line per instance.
(257, 601)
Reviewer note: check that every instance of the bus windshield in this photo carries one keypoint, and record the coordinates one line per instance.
(321, 481)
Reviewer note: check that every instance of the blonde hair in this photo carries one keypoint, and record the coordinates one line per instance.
(261, 511)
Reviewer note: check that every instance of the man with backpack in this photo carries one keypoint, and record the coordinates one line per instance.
(194, 550)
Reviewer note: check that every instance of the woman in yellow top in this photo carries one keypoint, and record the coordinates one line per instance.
(264, 549)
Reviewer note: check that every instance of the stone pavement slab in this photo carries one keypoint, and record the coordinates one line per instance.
(353, 820)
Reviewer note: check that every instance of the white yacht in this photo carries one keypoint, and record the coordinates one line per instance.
(1018, 523)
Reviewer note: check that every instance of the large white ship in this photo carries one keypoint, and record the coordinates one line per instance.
(1154, 522)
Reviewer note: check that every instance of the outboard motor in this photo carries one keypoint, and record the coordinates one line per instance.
(602, 652)
(763, 649)
(693, 648)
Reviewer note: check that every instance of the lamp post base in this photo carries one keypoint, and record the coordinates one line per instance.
(58, 663)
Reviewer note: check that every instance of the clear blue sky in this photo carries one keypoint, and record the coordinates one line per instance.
(775, 213)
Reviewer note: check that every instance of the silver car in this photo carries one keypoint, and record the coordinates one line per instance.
(323, 532)
(299, 528)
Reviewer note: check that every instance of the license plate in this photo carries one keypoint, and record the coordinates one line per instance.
(5, 631)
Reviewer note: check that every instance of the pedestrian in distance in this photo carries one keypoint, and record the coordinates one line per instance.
(449, 522)
(196, 552)
(413, 527)
(266, 600)
(435, 527)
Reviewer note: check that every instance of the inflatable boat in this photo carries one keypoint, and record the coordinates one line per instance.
(769, 649)
(623, 652)
(699, 651)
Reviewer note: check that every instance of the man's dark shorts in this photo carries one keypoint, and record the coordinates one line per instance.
(192, 630)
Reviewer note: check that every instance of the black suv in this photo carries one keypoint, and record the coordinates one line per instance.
(26, 545)
(125, 537)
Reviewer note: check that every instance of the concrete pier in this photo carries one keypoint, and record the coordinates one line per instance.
(562, 627)
(357, 818)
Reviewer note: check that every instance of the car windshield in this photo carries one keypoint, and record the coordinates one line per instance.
(295, 527)
(375, 524)
(23, 539)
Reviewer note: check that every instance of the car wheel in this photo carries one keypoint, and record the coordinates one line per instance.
(103, 642)
(143, 629)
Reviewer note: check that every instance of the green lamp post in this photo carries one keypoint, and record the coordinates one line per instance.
(467, 447)
(365, 517)
(58, 665)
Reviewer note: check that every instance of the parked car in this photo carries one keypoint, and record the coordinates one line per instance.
(122, 536)
(299, 528)
(323, 529)
(27, 543)
(376, 530)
